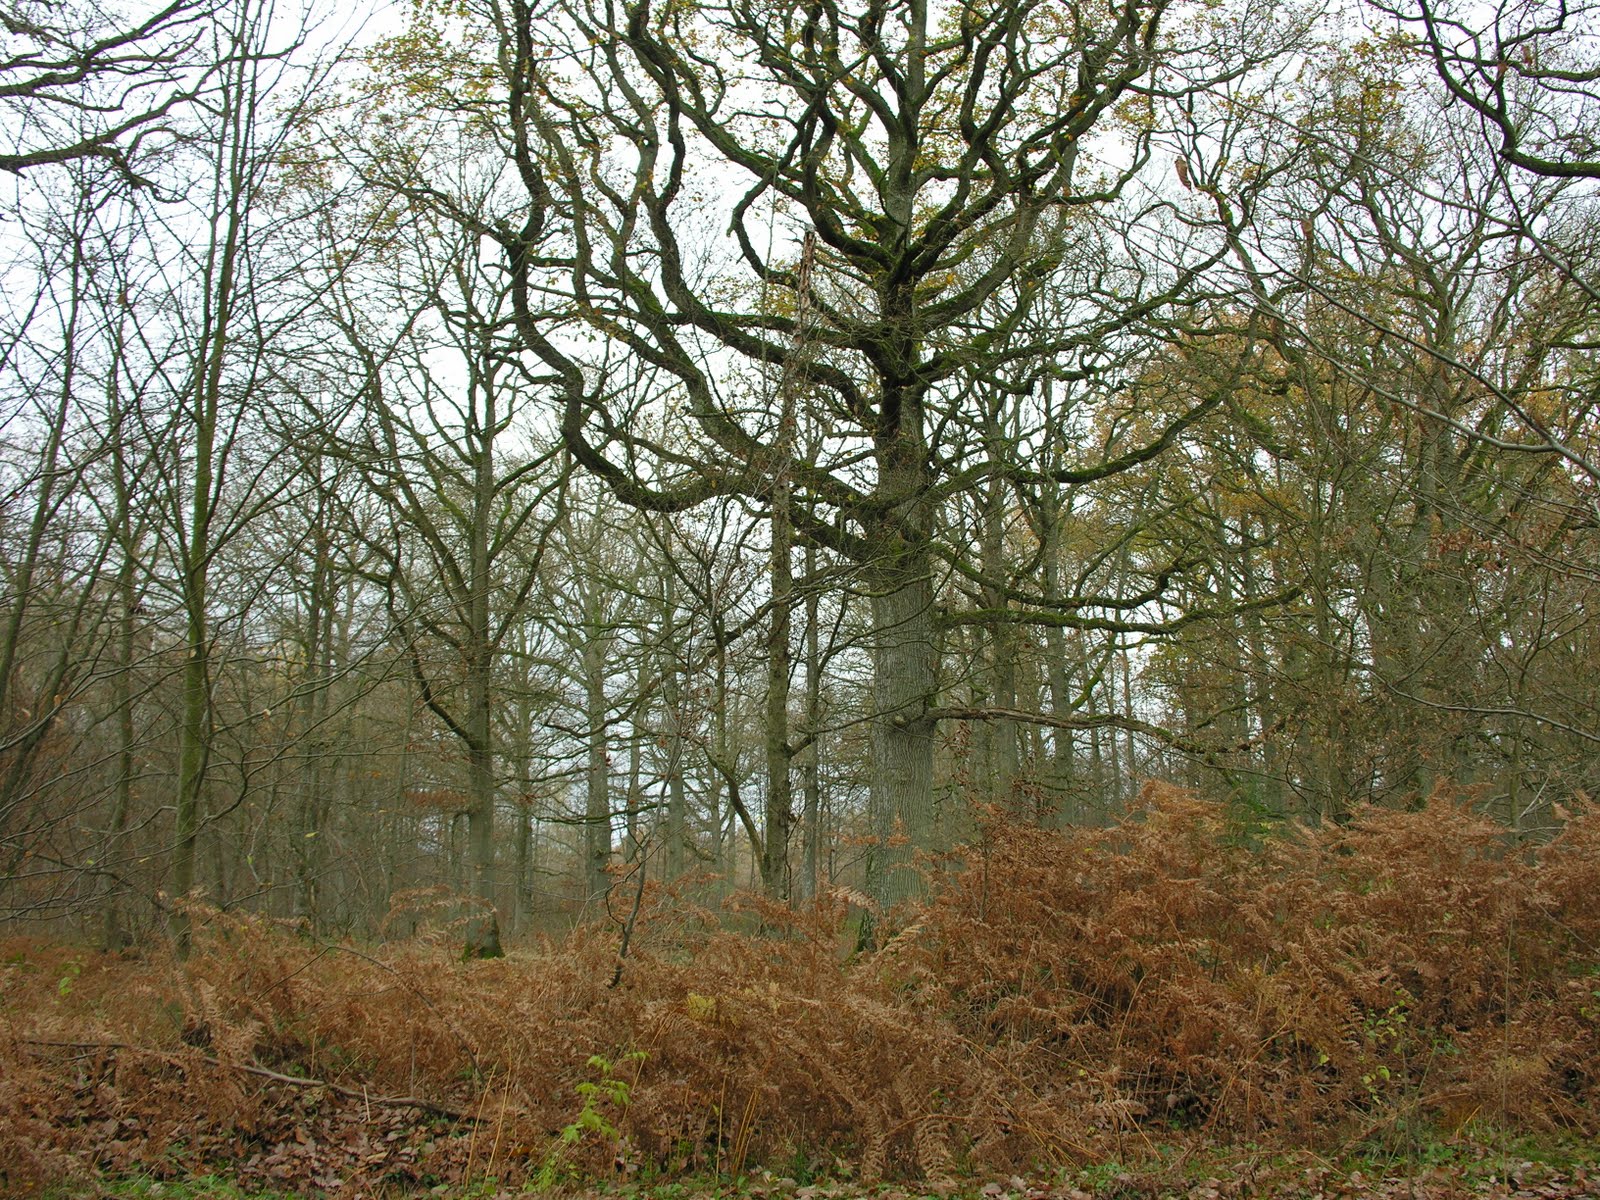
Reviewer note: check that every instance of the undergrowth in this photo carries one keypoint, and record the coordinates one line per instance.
(1065, 1000)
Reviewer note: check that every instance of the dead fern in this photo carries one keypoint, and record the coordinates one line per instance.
(1064, 997)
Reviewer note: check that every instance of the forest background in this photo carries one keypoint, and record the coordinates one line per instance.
(571, 464)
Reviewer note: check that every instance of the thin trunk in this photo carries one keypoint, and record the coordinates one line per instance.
(1063, 742)
(24, 577)
(632, 847)
(216, 324)
(780, 791)
(1117, 779)
(308, 833)
(1098, 804)
(483, 930)
(811, 825)
(720, 816)
(522, 907)
(1127, 708)
(1260, 676)
(522, 914)
(114, 933)
(780, 787)
(597, 807)
(677, 834)
(1001, 761)
(114, 930)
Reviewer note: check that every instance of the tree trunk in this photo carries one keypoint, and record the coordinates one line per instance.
(114, 933)
(483, 928)
(677, 823)
(311, 803)
(1002, 762)
(812, 820)
(902, 735)
(597, 805)
(780, 791)
(193, 751)
(904, 657)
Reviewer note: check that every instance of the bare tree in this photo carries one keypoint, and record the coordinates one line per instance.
(1528, 72)
(939, 165)
(77, 81)
(472, 500)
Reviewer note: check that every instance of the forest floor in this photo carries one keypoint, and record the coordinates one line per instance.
(1405, 1007)
(1529, 1169)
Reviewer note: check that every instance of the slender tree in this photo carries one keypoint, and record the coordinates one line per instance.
(938, 160)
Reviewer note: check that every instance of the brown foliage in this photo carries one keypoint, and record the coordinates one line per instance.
(1410, 966)
(1066, 996)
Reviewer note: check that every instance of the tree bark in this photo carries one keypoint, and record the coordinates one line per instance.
(904, 670)
(597, 802)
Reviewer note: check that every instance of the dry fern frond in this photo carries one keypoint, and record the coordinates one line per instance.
(1061, 997)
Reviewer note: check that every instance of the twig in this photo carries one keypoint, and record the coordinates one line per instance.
(443, 1110)
(633, 919)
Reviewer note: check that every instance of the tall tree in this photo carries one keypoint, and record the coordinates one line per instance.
(59, 338)
(214, 358)
(472, 506)
(939, 159)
